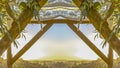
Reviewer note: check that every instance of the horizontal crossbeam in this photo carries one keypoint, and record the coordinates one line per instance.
(61, 21)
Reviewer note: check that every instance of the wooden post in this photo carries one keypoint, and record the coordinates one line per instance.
(110, 57)
(88, 42)
(31, 42)
(9, 57)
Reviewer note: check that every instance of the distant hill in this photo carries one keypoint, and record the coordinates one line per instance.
(60, 58)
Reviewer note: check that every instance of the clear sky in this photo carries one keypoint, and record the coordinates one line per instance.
(60, 42)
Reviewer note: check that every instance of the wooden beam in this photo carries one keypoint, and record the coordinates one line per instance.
(110, 57)
(88, 42)
(9, 11)
(23, 19)
(61, 21)
(31, 42)
(9, 57)
(105, 31)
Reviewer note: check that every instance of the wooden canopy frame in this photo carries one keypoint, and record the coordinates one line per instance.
(93, 16)
(12, 59)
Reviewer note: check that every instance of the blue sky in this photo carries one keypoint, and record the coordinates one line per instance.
(60, 41)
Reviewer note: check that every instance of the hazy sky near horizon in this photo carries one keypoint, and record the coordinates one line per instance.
(60, 41)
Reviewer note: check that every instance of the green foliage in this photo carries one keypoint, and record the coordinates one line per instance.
(103, 9)
(88, 4)
(116, 21)
(4, 20)
(97, 6)
(116, 18)
(22, 6)
(11, 9)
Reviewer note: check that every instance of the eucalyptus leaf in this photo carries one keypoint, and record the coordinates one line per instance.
(22, 6)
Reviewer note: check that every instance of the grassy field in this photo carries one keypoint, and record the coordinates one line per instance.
(60, 64)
